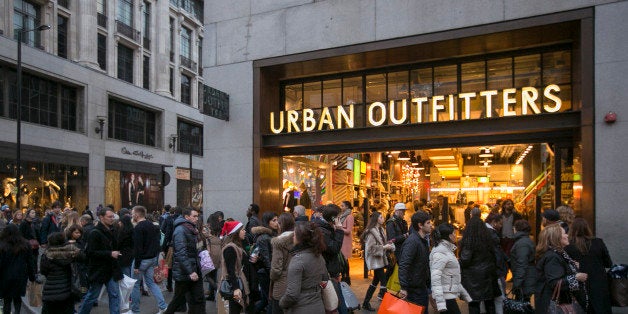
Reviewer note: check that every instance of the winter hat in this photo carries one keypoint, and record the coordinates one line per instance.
(551, 215)
(230, 227)
(400, 206)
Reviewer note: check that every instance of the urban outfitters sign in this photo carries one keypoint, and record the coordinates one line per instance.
(378, 113)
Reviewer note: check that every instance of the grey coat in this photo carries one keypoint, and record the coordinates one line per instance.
(522, 263)
(303, 291)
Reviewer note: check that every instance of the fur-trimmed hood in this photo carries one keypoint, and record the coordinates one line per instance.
(259, 230)
(67, 252)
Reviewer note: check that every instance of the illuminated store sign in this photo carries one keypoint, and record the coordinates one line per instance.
(527, 102)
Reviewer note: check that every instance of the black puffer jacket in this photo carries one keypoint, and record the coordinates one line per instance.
(263, 236)
(479, 273)
(522, 263)
(102, 266)
(414, 263)
(501, 260)
(333, 244)
(186, 260)
(55, 265)
(397, 232)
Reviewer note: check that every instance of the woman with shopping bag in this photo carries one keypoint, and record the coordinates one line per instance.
(16, 266)
(375, 255)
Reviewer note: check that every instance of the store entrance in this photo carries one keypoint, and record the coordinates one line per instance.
(444, 181)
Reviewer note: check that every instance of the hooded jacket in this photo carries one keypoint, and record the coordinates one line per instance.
(262, 236)
(445, 274)
(56, 266)
(522, 263)
(279, 264)
(186, 260)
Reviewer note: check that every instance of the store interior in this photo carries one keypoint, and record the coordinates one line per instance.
(482, 174)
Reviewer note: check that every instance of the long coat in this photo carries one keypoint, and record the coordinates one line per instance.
(594, 263)
(551, 268)
(303, 291)
(102, 267)
(15, 269)
(279, 263)
(479, 273)
(522, 263)
(374, 252)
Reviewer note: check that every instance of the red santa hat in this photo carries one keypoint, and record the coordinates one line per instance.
(230, 227)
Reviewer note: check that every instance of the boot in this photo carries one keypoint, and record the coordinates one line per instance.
(382, 291)
(366, 305)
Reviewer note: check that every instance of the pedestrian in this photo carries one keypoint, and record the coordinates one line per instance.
(50, 223)
(494, 222)
(594, 258)
(478, 264)
(522, 261)
(375, 248)
(333, 236)
(509, 216)
(168, 229)
(414, 271)
(396, 233)
(102, 260)
(347, 222)
(554, 265)
(56, 266)
(30, 231)
(445, 271)
(262, 258)
(16, 266)
(233, 256)
(124, 234)
(214, 222)
(306, 271)
(299, 213)
(186, 266)
(281, 247)
(17, 217)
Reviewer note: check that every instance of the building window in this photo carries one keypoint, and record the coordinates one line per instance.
(44, 102)
(171, 40)
(125, 12)
(146, 73)
(172, 81)
(62, 36)
(190, 137)
(200, 57)
(185, 43)
(125, 63)
(101, 7)
(130, 123)
(102, 51)
(186, 90)
(146, 26)
(26, 16)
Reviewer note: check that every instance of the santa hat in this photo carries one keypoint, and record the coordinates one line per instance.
(230, 227)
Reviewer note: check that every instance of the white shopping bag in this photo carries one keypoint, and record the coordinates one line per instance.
(126, 287)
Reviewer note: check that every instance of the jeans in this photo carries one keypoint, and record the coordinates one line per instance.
(113, 290)
(146, 271)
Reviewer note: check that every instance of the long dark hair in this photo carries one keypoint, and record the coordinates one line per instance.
(373, 221)
(126, 225)
(11, 240)
(309, 235)
(215, 223)
(580, 235)
(476, 235)
(286, 222)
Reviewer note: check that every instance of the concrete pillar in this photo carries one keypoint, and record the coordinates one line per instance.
(161, 55)
(87, 40)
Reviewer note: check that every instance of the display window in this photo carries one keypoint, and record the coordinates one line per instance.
(127, 189)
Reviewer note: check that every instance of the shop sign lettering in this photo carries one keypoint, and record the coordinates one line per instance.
(526, 100)
(138, 153)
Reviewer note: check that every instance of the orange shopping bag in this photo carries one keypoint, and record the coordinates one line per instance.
(393, 305)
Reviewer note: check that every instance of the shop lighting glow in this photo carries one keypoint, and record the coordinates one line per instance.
(523, 155)
(496, 188)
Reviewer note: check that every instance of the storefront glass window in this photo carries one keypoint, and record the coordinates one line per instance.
(376, 88)
(421, 87)
(352, 95)
(293, 97)
(132, 124)
(398, 91)
(445, 83)
(499, 73)
(473, 80)
(312, 95)
(127, 189)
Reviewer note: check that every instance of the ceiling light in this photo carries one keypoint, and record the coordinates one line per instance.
(403, 156)
(486, 155)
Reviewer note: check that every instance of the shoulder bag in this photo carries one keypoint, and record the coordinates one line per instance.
(330, 298)
(565, 308)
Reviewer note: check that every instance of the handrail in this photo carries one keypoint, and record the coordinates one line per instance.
(533, 186)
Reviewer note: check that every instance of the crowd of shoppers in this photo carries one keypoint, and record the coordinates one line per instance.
(279, 264)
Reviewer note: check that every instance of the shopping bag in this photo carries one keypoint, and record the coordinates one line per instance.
(619, 291)
(126, 287)
(393, 305)
(169, 257)
(34, 294)
(207, 265)
(330, 298)
(393, 282)
(160, 273)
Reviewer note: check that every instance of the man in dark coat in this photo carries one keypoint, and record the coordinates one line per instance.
(396, 233)
(168, 229)
(50, 223)
(414, 269)
(102, 254)
(186, 266)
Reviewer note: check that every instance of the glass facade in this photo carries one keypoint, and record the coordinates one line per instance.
(190, 137)
(125, 12)
(125, 63)
(130, 123)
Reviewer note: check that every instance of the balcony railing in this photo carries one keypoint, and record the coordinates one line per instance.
(102, 20)
(215, 103)
(64, 3)
(127, 31)
(146, 43)
(188, 63)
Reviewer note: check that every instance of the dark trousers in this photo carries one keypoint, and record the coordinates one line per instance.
(264, 285)
(169, 280)
(474, 307)
(190, 291)
(452, 307)
(234, 307)
(275, 308)
(418, 296)
(58, 307)
(379, 277)
(17, 302)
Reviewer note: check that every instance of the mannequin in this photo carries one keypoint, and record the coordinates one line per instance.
(131, 190)
(288, 197)
(9, 189)
(305, 199)
(53, 188)
(139, 194)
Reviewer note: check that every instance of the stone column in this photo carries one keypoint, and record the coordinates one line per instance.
(86, 34)
(161, 55)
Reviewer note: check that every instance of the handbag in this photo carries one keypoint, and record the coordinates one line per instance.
(517, 306)
(226, 290)
(394, 305)
(34, 244)
(35, 294)
(78, 282)
(160, 272)
(564, 308)
(207, 265)
(330, 298)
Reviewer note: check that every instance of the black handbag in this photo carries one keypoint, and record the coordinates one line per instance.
(516, 305)
(78, 282)
(226, 290)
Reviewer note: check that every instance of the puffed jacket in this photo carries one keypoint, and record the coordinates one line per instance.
(279, 263)
(374, 252)
(263, 236)
(445, 273)
(186, 260)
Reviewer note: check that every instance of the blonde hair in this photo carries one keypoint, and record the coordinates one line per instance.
(566, 213)
(550, 237)
(70, 218)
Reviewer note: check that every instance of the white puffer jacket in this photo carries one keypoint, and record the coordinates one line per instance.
(374, 252)
(445, 272)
